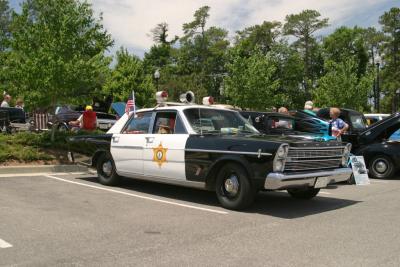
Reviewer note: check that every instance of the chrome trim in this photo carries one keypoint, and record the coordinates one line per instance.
(163, 180)
(281, 181)
(228, 152)
(317, 147)
(128, 147)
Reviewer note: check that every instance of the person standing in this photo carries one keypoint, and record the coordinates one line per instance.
(87, 121)
(283, 110)
(337, 124)
(19, 103)
(6, 101)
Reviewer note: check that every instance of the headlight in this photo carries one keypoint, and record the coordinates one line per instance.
(346, 155)
(281, 152)
(278, 165)
(280, 158)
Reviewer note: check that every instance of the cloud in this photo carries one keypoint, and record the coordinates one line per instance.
(130, 21)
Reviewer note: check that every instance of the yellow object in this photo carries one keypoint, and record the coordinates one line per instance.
(160, 154)
(89, 107)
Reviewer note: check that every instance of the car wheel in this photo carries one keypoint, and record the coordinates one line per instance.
(233, 187)
(381, 167)
(303, 193)
(62, 128)
(106, 171)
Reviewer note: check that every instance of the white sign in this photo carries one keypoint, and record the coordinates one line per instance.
(360, 170)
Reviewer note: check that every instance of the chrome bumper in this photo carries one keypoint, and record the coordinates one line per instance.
(280, 181)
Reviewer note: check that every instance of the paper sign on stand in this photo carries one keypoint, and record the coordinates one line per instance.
(360, 170)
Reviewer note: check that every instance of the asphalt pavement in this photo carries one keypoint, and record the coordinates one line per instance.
(71, 220)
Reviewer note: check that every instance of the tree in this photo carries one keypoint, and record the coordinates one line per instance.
(261, 37)
(390, 22)
(203, 52)
(342, 87)
(251, 82)
(346, 42)
(57, 52)
(127, 76)
(303, 26)
(5, 20)
(160, 34)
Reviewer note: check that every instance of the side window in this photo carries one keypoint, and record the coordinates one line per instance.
(168, 123)
(179, 126)
(139, 125)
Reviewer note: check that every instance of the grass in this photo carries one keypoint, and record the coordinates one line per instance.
(29, 147)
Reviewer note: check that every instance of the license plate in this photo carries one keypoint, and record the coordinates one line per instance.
(321, 182)
(103, 126)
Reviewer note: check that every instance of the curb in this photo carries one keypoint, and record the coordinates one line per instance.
(42, 169)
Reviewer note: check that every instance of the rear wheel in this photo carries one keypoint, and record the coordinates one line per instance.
(303, 193)
(381, 167)
(106, 171)
(233, 187)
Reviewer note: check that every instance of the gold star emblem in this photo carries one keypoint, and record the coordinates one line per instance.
(160, 154)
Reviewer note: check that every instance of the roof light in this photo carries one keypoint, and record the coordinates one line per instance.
(161, 96)
(187, 97)
(209, 100)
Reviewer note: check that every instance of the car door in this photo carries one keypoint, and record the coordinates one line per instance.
(164, 152)
(127, 146)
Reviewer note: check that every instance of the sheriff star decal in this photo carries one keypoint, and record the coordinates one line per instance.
(160, 154)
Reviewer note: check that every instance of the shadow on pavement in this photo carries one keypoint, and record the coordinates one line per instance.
(277, 204)
(280, 204)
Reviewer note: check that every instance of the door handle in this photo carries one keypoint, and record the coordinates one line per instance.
(149, 140)
(115, 139)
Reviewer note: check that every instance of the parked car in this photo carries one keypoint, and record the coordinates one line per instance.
(373, 118)
(13, 119)
(64, 114)
(214, 149)
(283, 124)
(380, 146)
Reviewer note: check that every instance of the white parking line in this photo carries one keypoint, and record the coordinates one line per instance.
(325, 193)
(37, 174)
(137, 196)
(378, 182)
(4, 244)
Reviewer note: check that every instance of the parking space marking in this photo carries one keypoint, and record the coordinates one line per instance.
(4, 244)
(325, 193)
(378, 182)
(137, 196)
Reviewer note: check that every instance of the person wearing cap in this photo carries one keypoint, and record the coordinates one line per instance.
(87, 121)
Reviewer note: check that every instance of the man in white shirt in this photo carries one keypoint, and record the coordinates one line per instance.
(6, 101)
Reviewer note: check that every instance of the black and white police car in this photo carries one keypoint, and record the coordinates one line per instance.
(210, 148)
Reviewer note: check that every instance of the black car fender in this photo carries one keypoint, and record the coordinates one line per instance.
(241, 160)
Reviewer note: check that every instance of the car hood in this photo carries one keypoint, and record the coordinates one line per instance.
(385, 127)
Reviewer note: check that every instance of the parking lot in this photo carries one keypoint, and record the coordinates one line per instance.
(70, 219)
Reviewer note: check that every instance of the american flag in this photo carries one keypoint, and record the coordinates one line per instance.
(130, 105)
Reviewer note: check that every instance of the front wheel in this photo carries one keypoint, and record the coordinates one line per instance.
(233, 187)
(381, 167)
(303, 193)
(106, 171)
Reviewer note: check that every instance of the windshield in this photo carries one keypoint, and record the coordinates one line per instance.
(358, 122)
(218, 121)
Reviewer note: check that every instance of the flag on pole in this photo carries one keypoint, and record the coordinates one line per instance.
(130, 104)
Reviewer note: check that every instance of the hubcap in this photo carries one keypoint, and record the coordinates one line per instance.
(381, 166)
(107, 168)
(231, 185)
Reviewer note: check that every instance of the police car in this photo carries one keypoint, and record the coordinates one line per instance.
(211, 148)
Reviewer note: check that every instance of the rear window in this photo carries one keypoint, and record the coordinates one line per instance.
(358, 122)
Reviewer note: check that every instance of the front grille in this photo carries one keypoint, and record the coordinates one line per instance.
(314, 158)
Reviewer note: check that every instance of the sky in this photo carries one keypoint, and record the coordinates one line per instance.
(130, 21)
